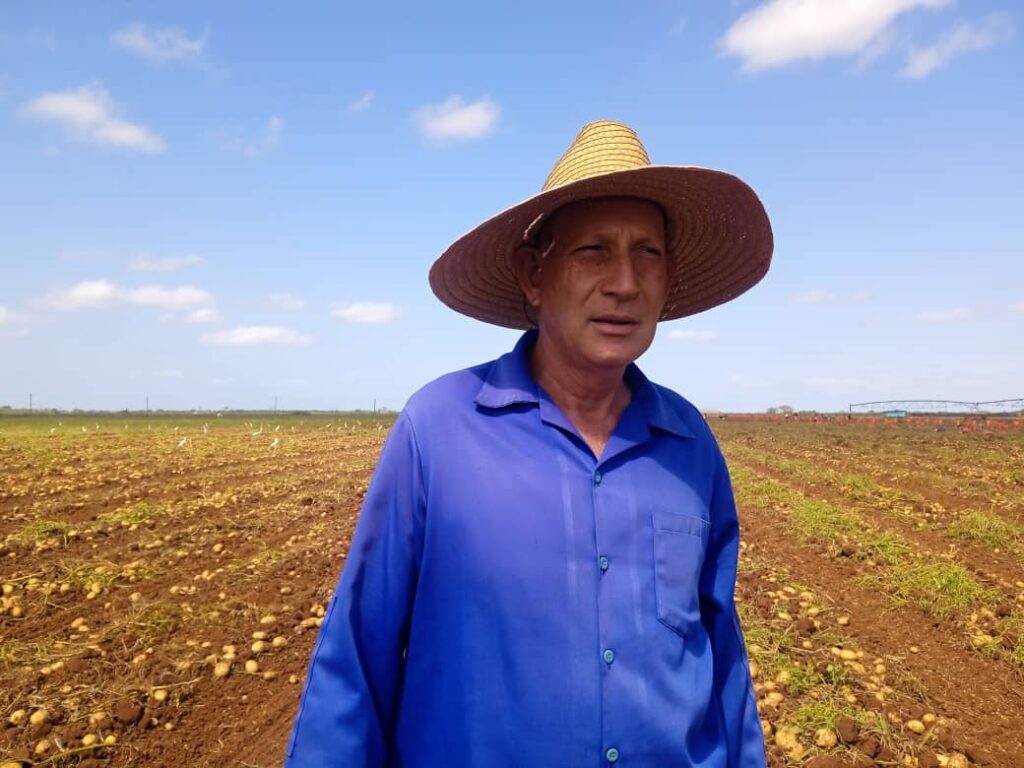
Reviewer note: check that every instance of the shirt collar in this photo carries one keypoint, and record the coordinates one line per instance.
(509, 382)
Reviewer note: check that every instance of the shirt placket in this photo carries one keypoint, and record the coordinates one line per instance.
(618, 530)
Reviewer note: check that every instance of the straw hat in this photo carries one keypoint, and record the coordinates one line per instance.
(718, 231)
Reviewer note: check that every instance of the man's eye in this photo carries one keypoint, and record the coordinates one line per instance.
(651, 251)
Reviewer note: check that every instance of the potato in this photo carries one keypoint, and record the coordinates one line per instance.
(916, 726)
(39, 716)
(825, 738)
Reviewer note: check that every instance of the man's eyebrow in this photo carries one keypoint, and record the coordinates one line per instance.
(604, 232)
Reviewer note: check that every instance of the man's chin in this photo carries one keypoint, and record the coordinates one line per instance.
(617, 353)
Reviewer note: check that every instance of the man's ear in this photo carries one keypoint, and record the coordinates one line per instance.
(526, 263)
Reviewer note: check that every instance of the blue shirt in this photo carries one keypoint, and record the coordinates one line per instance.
(511, 600)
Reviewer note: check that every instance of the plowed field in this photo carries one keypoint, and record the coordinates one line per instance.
(163, 580)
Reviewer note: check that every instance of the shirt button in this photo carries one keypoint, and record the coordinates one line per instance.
(612, 755)
(602, 563)
(597, 478)
(608, 655)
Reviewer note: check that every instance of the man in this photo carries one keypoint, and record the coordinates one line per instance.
(543, 570)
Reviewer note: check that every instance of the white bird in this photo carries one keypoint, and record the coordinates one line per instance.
(277, 428)
(259, 432)
(184, 440)
(206, 428)
(274, 444)
(84, 429)
(52, 430)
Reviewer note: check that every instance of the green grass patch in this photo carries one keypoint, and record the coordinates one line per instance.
(857, 486)
(824, 714)
(1016, 654)
(767, 646)
(140, 512)
(987, 529)
(19, 653)
(155, 621)
(820, 520)
(41, 529)
(82, 573)
(884, 547)
(939, 588)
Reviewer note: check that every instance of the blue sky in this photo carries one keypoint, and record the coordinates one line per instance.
(219, 204)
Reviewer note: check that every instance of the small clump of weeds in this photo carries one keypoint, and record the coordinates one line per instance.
(987, 529)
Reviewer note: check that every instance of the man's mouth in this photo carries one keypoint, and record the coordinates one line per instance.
(613, 320)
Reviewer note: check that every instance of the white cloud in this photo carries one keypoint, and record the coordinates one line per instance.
(88, 115)
(680, 334)
(93, 294)
(363, 103)
(815, 296)
(367, 312)
(1017, 309)
(455, 120)
(963, 37)
(89, 294)
(202, 315)
(269, 140)
(947, 315)
(181, 297)
(11, 324)
(165, 263)
(779, 32)
(287, 302)
(257, 335)
(160, 45)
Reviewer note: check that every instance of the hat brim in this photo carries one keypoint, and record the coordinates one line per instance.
(718, 235)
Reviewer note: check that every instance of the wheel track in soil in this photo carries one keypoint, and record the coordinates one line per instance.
(983, 698)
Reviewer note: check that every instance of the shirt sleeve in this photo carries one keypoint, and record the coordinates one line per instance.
(347, 711)
(741, 722)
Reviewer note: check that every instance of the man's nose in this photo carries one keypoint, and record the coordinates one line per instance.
(621, 278)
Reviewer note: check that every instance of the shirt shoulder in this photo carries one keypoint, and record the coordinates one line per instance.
(686, 412)
(455, 391)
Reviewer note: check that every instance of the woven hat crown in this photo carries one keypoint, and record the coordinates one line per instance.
(602, 146)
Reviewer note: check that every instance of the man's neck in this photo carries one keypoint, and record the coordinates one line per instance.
(593, 400)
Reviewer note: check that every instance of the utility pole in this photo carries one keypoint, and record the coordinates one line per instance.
(147, 403)
(30, 402)
(375, 405)
(275, 403)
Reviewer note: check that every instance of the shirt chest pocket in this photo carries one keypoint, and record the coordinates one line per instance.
(679, 544)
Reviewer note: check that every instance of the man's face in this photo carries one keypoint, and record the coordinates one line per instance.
(602, 285)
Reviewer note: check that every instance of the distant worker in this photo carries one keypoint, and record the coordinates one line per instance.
(543, 570)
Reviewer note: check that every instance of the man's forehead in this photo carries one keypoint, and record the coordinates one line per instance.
(596, 210)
